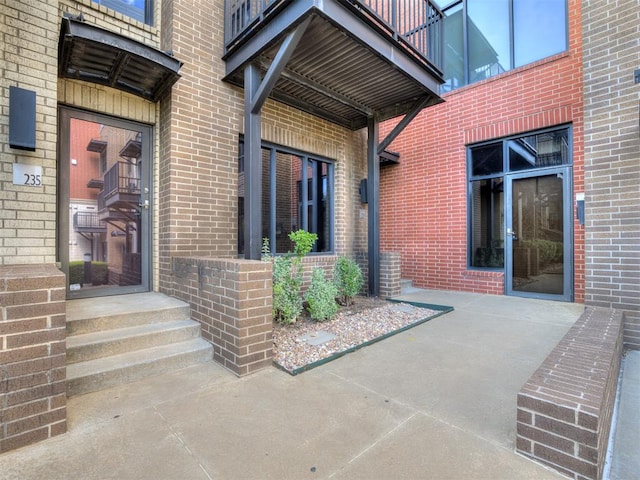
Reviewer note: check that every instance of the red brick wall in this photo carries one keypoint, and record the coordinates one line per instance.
(423, 199)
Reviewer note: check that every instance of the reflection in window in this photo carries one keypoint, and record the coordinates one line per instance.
(543, 150)
(487, 221)
(488, 33)
(486, 188)
(297, 193)
(539, 29)
(141, 10)
(500, 35)
(486, 159)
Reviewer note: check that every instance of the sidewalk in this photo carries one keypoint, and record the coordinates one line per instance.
(435, 402)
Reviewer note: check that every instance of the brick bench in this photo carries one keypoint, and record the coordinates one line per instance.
(565, 409)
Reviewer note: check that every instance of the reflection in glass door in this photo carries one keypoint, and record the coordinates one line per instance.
(538, 234)
(104, 205)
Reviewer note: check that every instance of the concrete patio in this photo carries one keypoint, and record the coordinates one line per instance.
(435, 402)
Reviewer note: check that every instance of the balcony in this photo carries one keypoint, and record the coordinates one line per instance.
(352, 60)
(88, 222)
(119, 200)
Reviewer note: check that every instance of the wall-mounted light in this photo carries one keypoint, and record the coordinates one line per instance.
(580, 207)
(22, 119)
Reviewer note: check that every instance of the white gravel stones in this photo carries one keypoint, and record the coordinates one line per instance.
(352, 326)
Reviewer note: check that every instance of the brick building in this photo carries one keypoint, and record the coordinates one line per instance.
(192, 129)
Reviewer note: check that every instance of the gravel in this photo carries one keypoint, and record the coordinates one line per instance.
(365, 320)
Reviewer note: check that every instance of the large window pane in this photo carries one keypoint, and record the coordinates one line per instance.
(453, 49)
(296, 194)
(548, 149)
(487, 160)
(488, 30)
(487, 220)
(539, 29)
(288, 215)
(137, 9)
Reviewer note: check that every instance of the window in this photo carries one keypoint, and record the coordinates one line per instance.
(141, 10)
(500, 35)
(489, 163)
(297, 193)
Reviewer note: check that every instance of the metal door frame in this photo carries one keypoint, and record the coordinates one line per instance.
(65, 114)
(566, 173)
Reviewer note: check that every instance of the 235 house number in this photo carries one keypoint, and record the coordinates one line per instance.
(32, 180)
(27, 175)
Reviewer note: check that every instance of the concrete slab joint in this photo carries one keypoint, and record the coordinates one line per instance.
(565, 409)
(232, 300)
(32, 354)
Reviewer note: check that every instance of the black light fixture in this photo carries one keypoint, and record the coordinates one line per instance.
(22, 119)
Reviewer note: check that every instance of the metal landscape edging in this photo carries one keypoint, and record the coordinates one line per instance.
(441, 309)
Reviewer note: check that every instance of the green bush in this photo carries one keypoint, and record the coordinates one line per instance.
(321, 297)
(287, 302)
(99, 273)
(347, 277)
(287, 276)
(76, 272)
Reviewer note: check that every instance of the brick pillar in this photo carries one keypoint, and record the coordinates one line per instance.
(232, 299)
(33, 399)
(390, 274)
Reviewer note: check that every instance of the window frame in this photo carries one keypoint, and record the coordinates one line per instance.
(512, 60)
(147, 10)
(506, 172)
(307, 161)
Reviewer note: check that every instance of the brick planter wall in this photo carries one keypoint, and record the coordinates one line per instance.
(566, 407)
(33, 371)
(232, 300)
(390, 274)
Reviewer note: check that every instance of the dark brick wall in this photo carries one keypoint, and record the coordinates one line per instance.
(565, 409)
(33, 370)
(232, 300)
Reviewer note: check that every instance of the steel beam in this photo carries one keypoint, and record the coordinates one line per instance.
(411, 114)
(373, 197)
(252, 166)
(278, 65)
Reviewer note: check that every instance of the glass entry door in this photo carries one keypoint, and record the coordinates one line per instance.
(539, 235)
(104, 202)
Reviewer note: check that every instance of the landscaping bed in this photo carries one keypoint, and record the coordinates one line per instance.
(307, 343)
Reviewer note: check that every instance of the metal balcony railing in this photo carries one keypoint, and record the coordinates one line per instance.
(118, 180)
(88, 222)
(416, 24)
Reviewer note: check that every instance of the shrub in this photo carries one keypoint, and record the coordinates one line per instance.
(287, 276)
(99, 273)
(321, 297)
(347, 277)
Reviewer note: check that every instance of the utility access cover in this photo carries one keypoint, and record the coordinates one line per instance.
(316, 338)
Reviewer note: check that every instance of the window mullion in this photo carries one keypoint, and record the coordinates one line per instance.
(272, 198)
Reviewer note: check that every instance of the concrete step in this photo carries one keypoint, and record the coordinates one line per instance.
(106, 372)
(406, 287)
(121, 311)
(89, 346)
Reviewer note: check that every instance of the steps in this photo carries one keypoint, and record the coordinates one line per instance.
(120, 339)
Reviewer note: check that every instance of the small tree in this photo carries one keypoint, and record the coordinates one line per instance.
(348, 280)
(321, 297)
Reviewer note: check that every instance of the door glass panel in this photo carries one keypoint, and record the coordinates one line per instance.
(105, 221)
(537, 235)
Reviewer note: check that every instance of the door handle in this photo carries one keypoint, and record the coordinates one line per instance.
(512, 233)
(144, 204)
